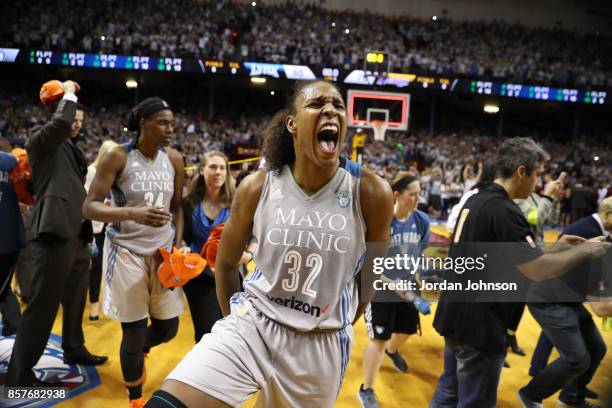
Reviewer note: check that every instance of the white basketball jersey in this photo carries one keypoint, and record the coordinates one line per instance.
(309, 250)
(143, 182)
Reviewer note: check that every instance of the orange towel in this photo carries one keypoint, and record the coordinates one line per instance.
(178, 269)
(21, 176)
(211, 246)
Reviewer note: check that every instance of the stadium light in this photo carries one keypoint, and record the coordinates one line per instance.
(131, 84)
(492, 109)
(258, 80)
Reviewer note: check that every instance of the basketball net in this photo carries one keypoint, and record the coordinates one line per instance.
(379, 128)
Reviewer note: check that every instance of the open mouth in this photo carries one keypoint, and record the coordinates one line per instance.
(327, 138)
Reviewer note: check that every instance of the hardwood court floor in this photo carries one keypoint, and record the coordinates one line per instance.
(414, 389)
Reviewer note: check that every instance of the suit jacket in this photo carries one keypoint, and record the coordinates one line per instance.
(586, 227)
(58, 175)
(590, 277)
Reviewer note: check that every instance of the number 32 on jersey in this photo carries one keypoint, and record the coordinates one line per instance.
(313, 263)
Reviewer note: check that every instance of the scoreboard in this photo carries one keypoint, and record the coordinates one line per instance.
(108, 61)
(375, 73)
(376, 63)
(541, 93)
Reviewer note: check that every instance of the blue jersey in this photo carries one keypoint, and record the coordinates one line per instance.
(12, 237)
(410, 238)
(201, 226)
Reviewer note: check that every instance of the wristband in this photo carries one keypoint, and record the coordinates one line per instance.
(70, 96)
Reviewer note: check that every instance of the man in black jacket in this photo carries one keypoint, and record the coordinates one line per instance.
(58, 240)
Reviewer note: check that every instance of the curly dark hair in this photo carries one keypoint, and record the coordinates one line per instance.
(277, 146)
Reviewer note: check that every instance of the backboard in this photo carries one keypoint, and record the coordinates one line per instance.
(390, 107)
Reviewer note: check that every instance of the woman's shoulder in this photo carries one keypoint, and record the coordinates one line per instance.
(253, 183)
(422, 217)
(175, 157)
(376, 200)
(250, 188)
(371, 179)
(373, 186)
(114, 160)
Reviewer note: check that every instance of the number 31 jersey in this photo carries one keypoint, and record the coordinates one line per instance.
(310, 249)
(143, 182)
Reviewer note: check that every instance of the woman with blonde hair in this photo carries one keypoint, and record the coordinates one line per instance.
(99, 229)
(205, 207)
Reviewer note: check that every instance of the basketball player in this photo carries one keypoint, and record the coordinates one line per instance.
(391, 320)
(146, 178)
(289, 334)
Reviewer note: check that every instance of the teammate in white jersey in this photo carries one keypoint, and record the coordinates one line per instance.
(289, 334)
(146, 180)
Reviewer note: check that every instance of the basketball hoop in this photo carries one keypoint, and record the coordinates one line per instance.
(379, 128)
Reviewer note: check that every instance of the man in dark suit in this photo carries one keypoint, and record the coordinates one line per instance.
(568, 326)
(594, 225)
(58, 240)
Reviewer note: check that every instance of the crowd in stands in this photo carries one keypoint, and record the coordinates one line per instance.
(301, 33)
(194, 135)
(439, 159)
